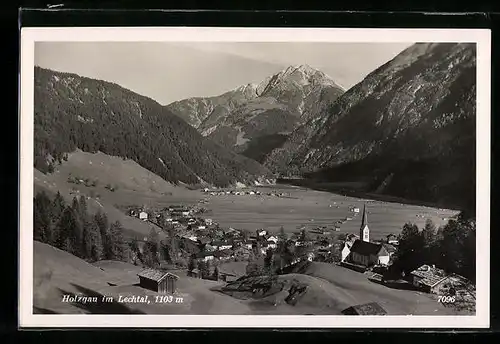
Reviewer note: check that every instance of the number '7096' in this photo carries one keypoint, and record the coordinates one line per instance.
(446, 299)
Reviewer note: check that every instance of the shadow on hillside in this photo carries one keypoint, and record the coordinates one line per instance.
(400, 285)
(39, 310)
(99, 307)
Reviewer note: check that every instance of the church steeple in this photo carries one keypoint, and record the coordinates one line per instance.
(364, 231)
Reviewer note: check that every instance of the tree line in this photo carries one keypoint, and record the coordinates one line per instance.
(74, 112)
(71, 228)
(451, 247)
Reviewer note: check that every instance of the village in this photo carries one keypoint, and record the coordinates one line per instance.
(218, 192)
(204, 247)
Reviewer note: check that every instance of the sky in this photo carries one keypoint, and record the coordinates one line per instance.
(171, 71)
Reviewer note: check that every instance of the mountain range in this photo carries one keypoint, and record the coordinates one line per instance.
(407, 129)
(253, 119)
(76, 112)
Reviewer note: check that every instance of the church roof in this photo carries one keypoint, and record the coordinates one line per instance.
(365, 248)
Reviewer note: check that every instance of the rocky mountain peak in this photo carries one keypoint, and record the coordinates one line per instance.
(295, 76)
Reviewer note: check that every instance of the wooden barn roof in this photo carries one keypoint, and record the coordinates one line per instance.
(430, 276)
(155, 275)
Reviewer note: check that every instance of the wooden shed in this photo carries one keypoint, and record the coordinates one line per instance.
(158, 281)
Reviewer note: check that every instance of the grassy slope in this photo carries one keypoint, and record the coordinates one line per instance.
(57, 272)
(136, 185)
(330, 290)
(357, 289)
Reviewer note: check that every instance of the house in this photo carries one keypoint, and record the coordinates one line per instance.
(271, 244)
(310, 256)
(223, 254)
(205, 256)
(372, 308)
(143, 216)
(368, 254)
(202, 227)
(392, 239)
(208, 222)
(210, 248)
(194, 273)
(351, 237)
(227, 277)
(248, 244)
(428, 278)
(232, 231)
(273, 239)
(264, 247)
(261, 232)
(390, 249)
(242, 253)
(222, 245)
(190, 246)
(204, 240)
(185, 213)
(346, 250)
(158, 281)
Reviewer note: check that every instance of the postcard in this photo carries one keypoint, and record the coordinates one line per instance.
(198, 177)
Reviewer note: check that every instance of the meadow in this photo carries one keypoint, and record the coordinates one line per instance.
(309, 209)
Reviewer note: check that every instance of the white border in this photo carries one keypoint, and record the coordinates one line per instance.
(197, 34)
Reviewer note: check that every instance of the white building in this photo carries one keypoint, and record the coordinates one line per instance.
(345, 251)
(272, 245)
(273, 239)
(310, 256)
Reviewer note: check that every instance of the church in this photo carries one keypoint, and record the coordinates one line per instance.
(361, 251)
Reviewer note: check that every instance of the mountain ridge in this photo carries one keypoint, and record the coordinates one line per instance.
(78, 112)
(409, 122)
(251, 112)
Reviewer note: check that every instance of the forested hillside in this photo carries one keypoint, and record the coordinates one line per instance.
(77, 112)
(406, 130)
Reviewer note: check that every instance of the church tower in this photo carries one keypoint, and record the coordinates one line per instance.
(364, 231)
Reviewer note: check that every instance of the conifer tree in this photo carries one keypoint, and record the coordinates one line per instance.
(101, 220)
(117, 242)
(64, 237)
(58, 206)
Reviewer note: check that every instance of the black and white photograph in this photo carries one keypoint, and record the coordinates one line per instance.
(287, 177)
